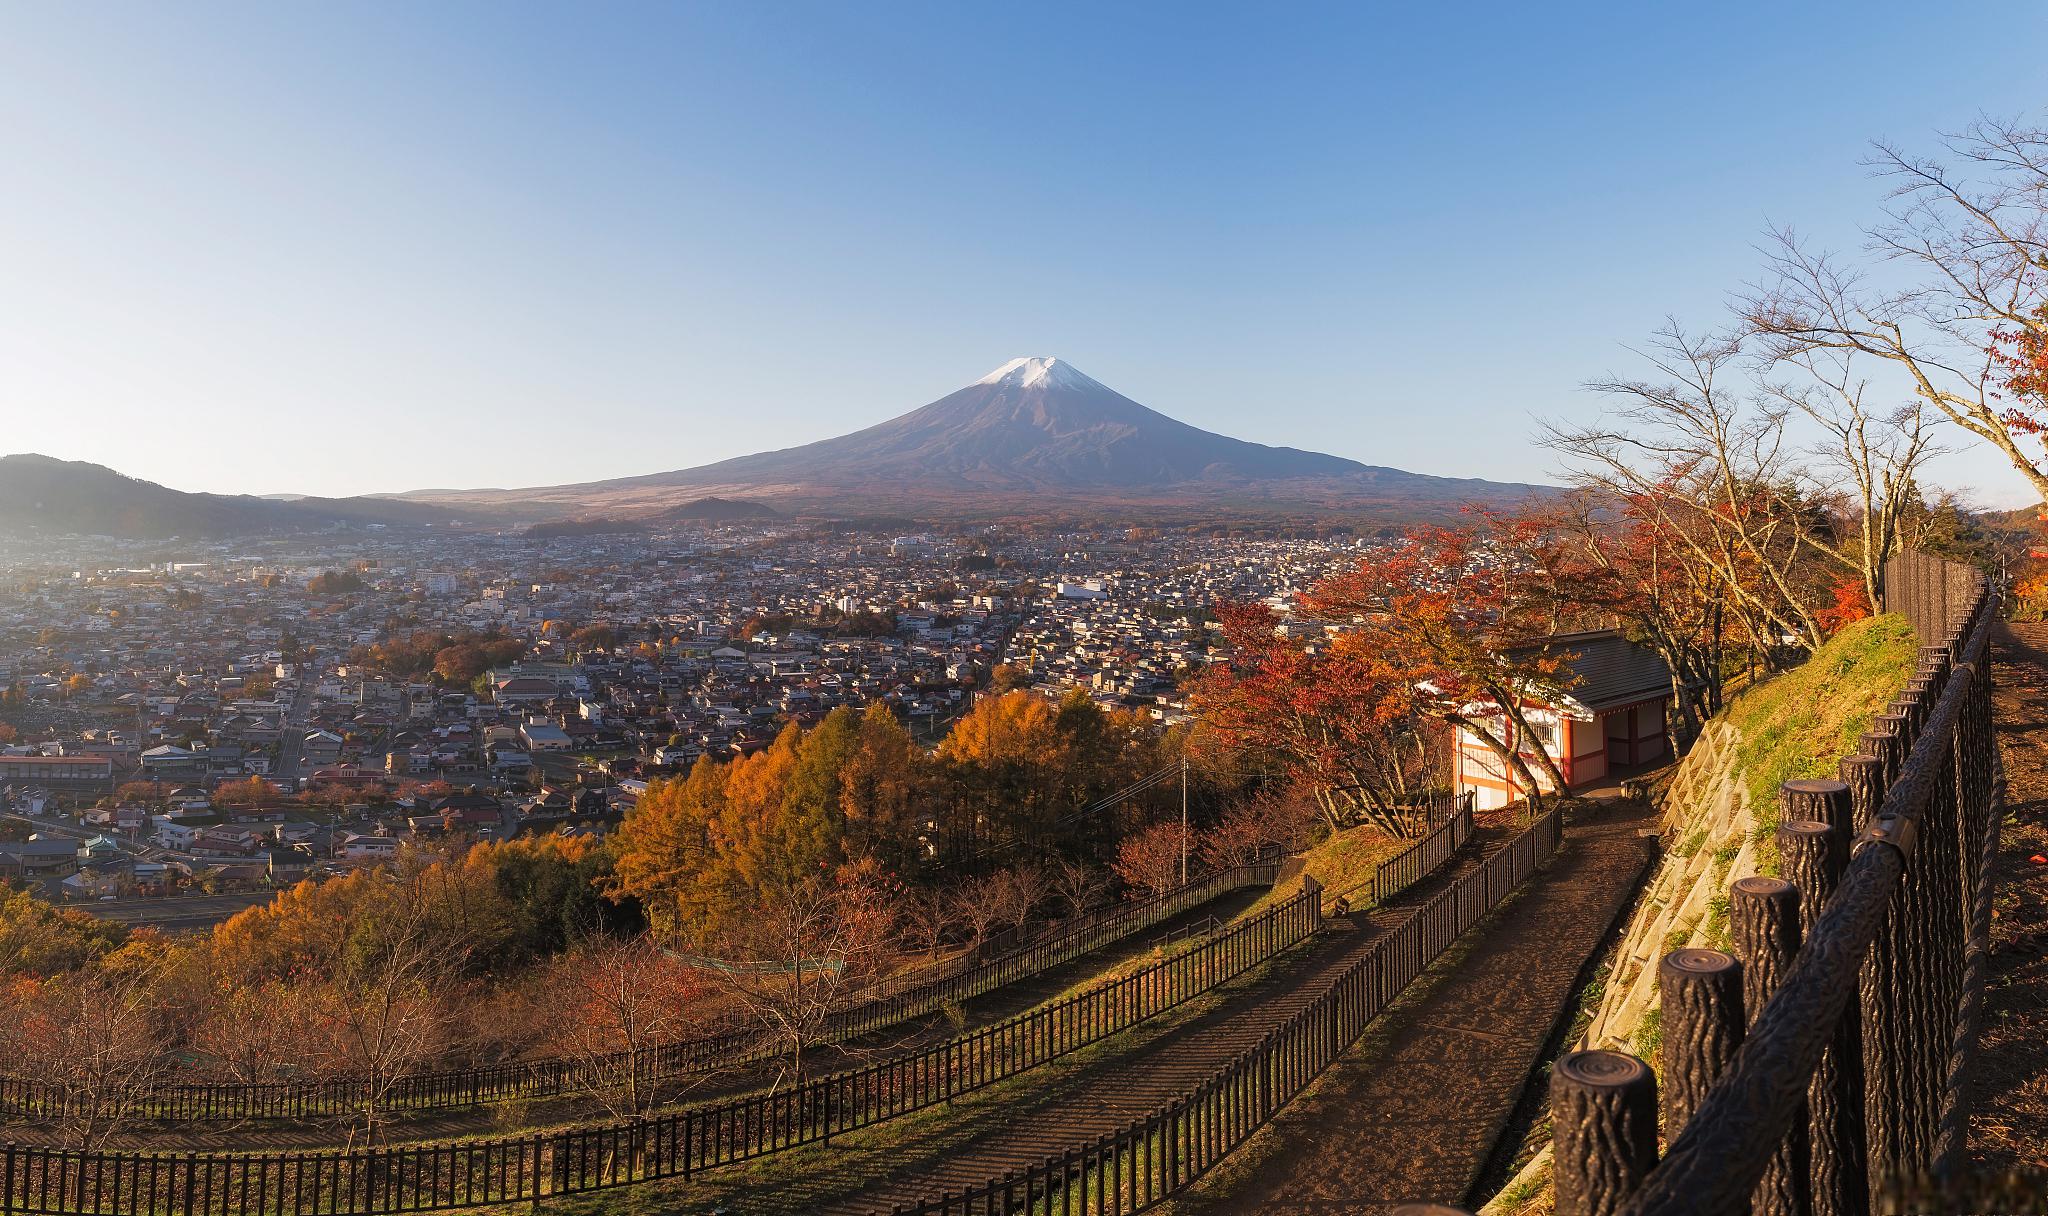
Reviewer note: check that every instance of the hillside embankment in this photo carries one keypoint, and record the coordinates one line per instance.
(1717, 820)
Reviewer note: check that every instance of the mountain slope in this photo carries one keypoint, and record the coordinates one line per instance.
(1032, 428)
(1031, 424)
(41, 493)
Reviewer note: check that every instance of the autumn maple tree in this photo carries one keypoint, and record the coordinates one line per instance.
(1456, 617)
(1323, 712)
(1625, 567)
(2019, 362)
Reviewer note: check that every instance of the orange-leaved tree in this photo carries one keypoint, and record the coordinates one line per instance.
(1457, 615)
(1323, 711)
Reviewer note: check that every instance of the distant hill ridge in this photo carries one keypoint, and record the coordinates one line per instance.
(701, 510)
(714, 509)
(44, 494)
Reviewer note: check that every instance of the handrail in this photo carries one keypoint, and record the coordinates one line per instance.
(1147, 1162)
(40, 1181)
(1419, 860)
(1848, 1075)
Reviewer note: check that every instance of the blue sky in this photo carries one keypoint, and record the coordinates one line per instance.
(356, 248)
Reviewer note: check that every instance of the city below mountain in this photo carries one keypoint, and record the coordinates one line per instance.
(1034, 434)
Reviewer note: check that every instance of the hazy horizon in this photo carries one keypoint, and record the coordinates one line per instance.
(376, 249)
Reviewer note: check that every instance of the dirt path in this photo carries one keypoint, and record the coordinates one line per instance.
(1413, 1111)
(1125, 1085)
(2009, 1102)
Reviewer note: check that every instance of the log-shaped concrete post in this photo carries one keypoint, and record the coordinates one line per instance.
(1603, 1131)
(1812, 854)
(1895, 726)
(1702, 1027)
(1764, 923)
(1887, 1016)
(1863, 773)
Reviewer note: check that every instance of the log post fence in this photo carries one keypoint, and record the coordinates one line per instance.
(1862, 968)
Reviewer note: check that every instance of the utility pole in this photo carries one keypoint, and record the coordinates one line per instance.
(1183, 821)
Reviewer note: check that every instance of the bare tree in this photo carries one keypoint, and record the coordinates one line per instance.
(802, 955)
(387, 1009)
(925, 920)
(252, 1033)
(95, 1035)
(1706, 459)
(981, 905)
(1971, 227)
(612, 1002)
(1016, 892)
(1076, 884)
(1867, 458)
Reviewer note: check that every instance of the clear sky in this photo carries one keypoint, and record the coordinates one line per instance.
(352, 248)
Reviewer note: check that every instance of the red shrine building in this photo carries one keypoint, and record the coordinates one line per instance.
(1609, 722)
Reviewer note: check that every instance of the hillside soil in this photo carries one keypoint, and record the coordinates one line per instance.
(2009, 1102)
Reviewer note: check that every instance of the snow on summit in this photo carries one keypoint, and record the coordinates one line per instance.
(1026, 373)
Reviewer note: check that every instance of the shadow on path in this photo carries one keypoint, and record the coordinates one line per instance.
(1413, 1111)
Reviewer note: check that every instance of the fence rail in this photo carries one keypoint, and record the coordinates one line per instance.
(1147, 1162)
(22, 1097)
(1419, 860)
(1823, 1062)
(35, 1181)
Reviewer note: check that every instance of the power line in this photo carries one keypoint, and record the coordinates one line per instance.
(1107, 802)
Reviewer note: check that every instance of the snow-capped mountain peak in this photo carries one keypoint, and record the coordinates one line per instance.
(1040, 427)
(1043, 370)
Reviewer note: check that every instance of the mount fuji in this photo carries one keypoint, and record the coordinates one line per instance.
(1031, 429)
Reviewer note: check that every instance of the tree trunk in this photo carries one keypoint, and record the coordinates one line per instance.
(1508, 757)
(1513, 706)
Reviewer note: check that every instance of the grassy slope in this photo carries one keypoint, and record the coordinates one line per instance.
(1343, 862)
(1804, 721)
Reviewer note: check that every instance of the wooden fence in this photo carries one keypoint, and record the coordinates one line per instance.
(1935, 595)
(420, 1177)
(1421, 859)
(1823, 1061)
(651, 1066)
(1145, 1163)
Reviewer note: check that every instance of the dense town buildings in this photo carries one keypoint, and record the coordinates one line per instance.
(170, 673)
